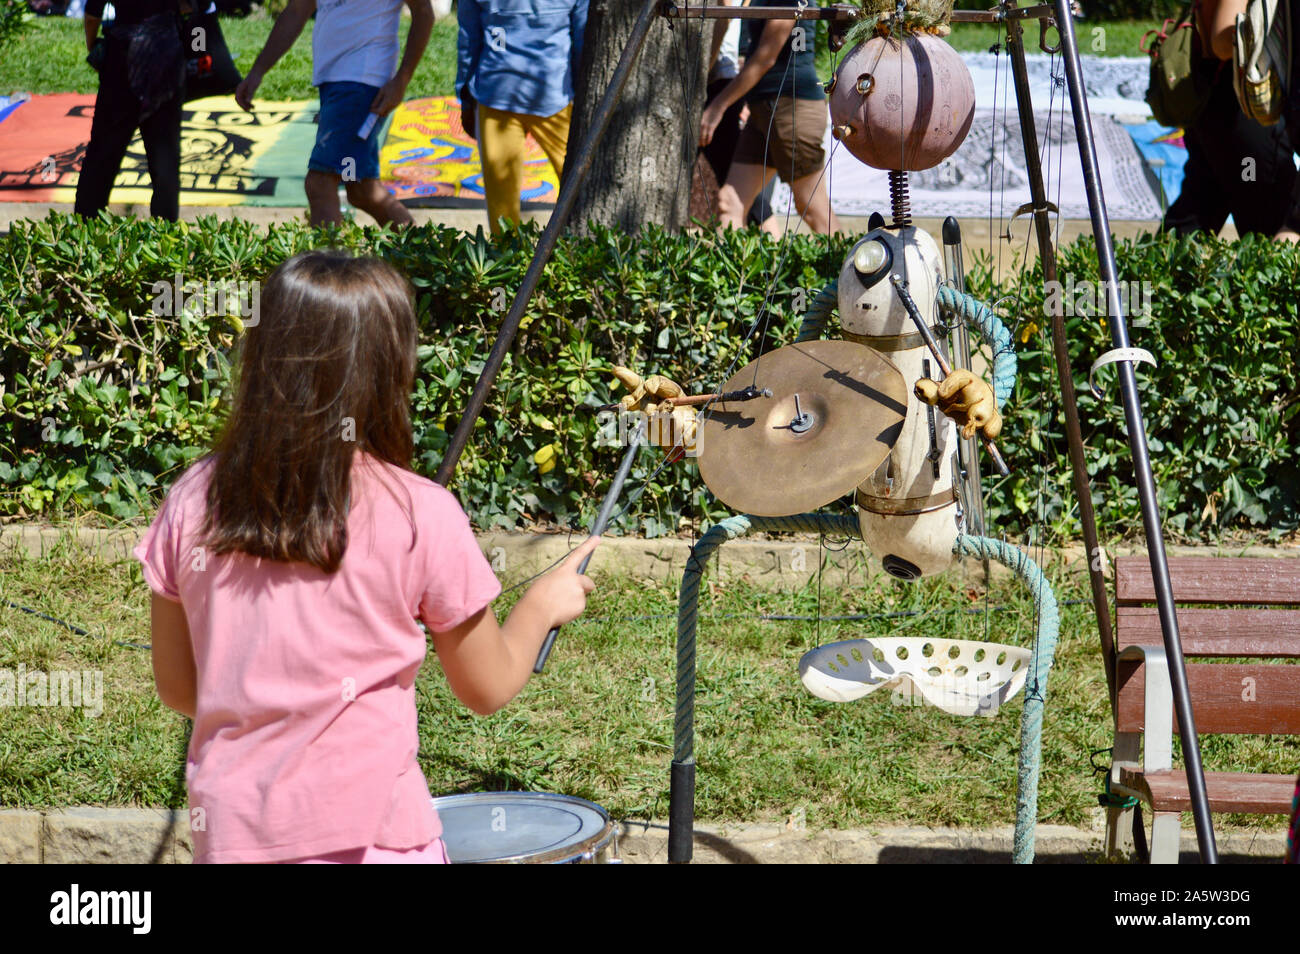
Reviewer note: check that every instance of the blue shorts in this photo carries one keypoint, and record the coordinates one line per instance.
(344, 109)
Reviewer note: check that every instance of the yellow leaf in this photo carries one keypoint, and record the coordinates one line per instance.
(546, 458)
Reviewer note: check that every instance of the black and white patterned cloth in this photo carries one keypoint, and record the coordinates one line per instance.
(987, 175)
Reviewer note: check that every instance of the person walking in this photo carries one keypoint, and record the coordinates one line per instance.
(141, 86)
(355, 67)
(515, 78)
(787, 122)
(1234, 165)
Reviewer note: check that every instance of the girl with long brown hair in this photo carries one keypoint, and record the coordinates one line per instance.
(289, 568)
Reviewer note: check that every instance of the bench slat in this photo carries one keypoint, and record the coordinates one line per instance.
(1227, 791)
(1218, 705)
(1266, 633)
(1234, 580)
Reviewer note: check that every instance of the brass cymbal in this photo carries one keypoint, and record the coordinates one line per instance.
(759, 457)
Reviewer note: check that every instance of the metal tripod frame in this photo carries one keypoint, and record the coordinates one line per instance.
(682, 805)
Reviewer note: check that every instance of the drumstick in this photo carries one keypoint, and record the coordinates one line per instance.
(689, 400)
(745, 394)
(944, 366)
(598, 526)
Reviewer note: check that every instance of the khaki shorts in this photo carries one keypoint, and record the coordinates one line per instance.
(794, 146)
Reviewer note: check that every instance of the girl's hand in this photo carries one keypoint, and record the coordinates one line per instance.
(487, 663)
(562, 593)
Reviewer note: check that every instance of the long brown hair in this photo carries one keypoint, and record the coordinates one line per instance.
(326, 371)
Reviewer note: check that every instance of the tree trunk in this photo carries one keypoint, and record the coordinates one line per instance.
(641, 170)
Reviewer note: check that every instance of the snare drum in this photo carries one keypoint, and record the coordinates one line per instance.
(525, 827)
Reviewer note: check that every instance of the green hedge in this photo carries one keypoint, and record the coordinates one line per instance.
(12, 13)
(105, 402)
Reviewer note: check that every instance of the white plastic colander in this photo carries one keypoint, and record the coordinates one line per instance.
(960, 676)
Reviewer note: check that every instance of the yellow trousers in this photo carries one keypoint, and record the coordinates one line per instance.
(501, 149)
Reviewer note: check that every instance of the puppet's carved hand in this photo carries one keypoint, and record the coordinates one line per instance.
(668, 426)
(965, 398)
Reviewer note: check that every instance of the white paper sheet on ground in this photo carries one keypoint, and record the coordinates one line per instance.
(1116, 85)
(987, 175)
(991, 162)
(960, 676)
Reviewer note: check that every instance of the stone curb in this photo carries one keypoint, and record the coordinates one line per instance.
(787, 563)
(781, 844)
(159, 836)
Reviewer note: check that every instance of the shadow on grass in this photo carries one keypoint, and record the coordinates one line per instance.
(167, 838)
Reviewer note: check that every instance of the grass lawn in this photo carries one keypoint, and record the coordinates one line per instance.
(598, 724)
(1096, 38)
(1116, 38)
(51, 56)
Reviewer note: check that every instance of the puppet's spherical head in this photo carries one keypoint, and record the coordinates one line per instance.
(902, 103)
(868, 303)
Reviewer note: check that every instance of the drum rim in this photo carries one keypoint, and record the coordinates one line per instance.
(591, 845)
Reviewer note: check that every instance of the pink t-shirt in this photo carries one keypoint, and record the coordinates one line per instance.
(304, 738)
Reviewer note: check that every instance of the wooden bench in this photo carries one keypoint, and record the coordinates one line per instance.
(1218, 601)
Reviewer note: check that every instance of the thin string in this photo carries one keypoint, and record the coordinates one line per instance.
(686, 114)
(1001, 124)
(902, 102)
(828, 171)
(821, 557)
(993, 139)
(764, 310)
(690, 93)
(760, 318)
(1045, 408)
(792, 206)
(998, 126)
(1060, 154)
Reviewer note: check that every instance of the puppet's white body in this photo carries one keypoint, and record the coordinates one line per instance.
(907, 511)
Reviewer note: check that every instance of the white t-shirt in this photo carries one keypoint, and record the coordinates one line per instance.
(355, 40)
(728, 62)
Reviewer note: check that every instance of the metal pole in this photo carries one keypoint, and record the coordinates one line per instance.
(1064, 373)
(968, 460)
(575, 174)
(1137, 438)
(598, 526)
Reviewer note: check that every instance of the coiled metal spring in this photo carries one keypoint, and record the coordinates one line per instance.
(899, 202)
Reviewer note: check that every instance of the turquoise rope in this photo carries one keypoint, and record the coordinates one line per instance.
(819, 312)
(1031, 718)
(957, 306)
(688, 600)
